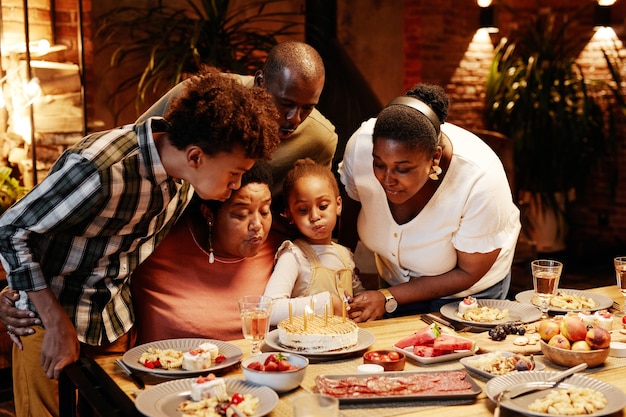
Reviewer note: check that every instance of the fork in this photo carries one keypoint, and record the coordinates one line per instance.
(220, 394)
(430, 319)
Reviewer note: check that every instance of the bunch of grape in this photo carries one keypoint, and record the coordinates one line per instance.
(500, 332)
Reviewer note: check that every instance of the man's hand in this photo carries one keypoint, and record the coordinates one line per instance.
(60, 345)
(367, 306)
(17, 322)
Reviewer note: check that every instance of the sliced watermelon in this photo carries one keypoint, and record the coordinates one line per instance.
(421, 337)
(451, 343)
(424, 351)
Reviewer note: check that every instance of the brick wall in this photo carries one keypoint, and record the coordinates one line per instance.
(443, 46)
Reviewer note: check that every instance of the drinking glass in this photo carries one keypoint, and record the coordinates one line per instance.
(620, 275)
(255, 313)
(546, 275)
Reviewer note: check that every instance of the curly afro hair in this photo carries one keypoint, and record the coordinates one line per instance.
(308, 167)
(216, 113)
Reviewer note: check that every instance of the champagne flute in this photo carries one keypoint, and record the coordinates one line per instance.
(255, 313)
(620, 275)
(546, 275)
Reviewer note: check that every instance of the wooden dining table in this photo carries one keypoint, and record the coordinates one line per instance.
(386, 333)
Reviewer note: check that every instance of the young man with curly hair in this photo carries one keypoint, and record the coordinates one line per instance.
(71, 244)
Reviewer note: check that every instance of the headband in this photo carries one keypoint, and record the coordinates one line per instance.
(421, 107)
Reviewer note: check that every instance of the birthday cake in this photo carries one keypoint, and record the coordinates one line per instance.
(320, 333)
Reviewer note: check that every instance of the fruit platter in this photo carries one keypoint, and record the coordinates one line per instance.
(434, 344)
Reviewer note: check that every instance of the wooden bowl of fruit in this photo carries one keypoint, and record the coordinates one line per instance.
(390, 360)
(280, 371)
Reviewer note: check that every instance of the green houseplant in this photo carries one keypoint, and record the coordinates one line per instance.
(160, 44)
(537, 95)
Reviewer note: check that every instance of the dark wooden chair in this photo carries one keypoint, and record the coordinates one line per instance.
(85, 386)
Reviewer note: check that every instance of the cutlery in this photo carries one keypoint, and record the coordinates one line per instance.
(528, 387)
(219, 391)
(459, 327)
(136, 379)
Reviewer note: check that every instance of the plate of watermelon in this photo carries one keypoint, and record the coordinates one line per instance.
(434, 344)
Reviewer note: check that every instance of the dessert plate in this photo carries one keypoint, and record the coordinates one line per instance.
(471, 363)
(519, 312)
(162, 400)
(365, 340)
(602, 302)
(131, 358)
(615, 397)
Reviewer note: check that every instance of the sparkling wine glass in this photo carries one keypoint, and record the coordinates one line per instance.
(255, 313)
(546, 275)
(620, 275)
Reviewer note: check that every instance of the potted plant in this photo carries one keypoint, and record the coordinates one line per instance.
(159, 44)
(537, 95)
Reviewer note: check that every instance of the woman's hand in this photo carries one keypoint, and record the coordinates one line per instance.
(17, 322)
(367, 306)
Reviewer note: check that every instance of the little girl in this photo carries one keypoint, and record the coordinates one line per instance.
(312, 270)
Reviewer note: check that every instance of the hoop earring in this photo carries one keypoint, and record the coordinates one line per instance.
(211, 256)
(435, 172)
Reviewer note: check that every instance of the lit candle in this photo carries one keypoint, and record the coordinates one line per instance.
(304, 317)
(313, 306)
(343, 310)
(326, 314)
(290, 313)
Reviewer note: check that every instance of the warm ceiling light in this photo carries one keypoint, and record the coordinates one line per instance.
(487, 3)
(602, 14)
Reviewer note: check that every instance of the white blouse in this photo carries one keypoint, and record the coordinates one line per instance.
(471, 211)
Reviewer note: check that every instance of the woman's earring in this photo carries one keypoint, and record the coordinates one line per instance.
(435, 172)
(211, 256)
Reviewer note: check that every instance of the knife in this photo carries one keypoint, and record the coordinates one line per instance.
(138, 381)
(457, 326)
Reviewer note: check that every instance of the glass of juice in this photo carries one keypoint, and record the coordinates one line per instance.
(255, 313)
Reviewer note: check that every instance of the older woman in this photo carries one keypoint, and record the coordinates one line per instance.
(215, 253)
(436, 208)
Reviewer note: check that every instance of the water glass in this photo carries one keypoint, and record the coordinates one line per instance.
(620, 276)
(255, 313)
(546, 275)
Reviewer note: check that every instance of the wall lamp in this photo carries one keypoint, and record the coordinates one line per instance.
(602, 13)
(486, 17)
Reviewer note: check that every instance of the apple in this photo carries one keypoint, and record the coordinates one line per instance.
(548, 328)
(581, 345)
(559, 341)
(598, 338)
(573, 328)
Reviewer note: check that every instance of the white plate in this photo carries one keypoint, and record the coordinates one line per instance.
(162, 400)
(602, 302)
(233, 356)
(436, 359)
(467, 362)
(615, 397)
(365, 340)
(517, 312)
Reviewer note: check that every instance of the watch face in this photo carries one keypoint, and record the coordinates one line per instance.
(391, 305)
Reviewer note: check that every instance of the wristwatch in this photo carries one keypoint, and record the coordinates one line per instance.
(390, 302)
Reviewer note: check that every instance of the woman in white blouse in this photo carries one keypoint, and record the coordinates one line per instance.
(435, 208)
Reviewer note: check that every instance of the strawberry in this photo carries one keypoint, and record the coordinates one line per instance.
(256, 366)
(270, 358)
(220, 358)
(284, 365)
(271, 367)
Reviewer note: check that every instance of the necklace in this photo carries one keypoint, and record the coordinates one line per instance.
(222, 260)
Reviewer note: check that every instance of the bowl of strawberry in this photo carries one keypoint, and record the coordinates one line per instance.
(279, 371)
(390, 360)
